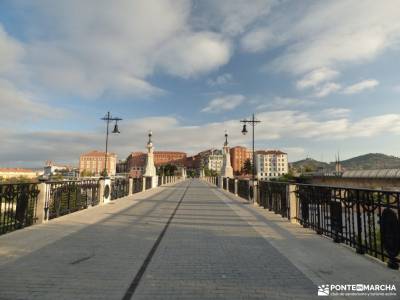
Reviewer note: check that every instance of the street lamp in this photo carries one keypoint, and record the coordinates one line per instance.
(109, 118)
(253, 122)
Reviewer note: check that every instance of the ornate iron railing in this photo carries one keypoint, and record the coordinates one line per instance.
(244, 188)
(148, 182)
(65, 197)
(367, 220)
(274, 197)
(224, 183)
(119, 188)
(137, 185)
(231, 185)
(18, 203)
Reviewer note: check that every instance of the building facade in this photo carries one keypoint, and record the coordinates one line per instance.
(7, 173)
(136, 161)
(52, 168)
(271, 164)
(94, 162)
(213, 160)
(239, 155)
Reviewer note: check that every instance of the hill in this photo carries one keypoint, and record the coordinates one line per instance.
(310, 164)
(363, 162)
(371, 161)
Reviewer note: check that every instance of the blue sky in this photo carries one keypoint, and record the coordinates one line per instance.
(322, 76)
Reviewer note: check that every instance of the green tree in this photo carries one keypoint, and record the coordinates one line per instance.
(167, 170)
(248, 167)
(288, 177)
(210, 173)
(87, 173)
(191, 173)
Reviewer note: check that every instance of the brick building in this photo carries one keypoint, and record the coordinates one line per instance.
(94, 162)
(239, 155)
(136, 161)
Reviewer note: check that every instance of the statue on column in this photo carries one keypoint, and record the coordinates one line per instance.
(227, 170)
(150, 169)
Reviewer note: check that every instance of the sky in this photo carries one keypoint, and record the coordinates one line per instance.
(321, 76)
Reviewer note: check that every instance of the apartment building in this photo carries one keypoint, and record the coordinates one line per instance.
(94, 162)
(271, 164)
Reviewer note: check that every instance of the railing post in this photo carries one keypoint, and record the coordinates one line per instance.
(220, 182)
(255, 193)
(154, 181)
(104, 190)
(130, 187)
(236, 187)
(292, 203)
(41, 203)
(143, 184)
(359, 246)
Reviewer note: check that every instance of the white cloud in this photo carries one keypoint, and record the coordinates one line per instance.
(396, 88)
(335, 113)
(258, 40)
(361, 86)
(327, 89)
(20, 106)
(282, 103)
(11, 52)
(224, 103)
(95, 47)
(333, 35)
(220, 80)
(231, 17)
(316, 77)
(276, 127)
(194, 54)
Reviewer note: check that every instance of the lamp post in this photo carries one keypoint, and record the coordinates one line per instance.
(253, 122)
(109, 118)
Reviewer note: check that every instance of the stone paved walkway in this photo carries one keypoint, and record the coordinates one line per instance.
(213, 247)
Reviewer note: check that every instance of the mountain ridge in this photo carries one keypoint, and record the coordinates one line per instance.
(367, 161)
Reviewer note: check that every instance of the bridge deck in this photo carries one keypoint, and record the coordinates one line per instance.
(188, 241)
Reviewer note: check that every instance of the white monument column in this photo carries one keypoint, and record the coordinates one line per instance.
(150, 170)
(227, 170)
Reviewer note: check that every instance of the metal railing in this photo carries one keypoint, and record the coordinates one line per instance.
(224, 184)
(18, 204)
(65, 197)
(119, 188)
(243, 188)
(148, 182)
(231, 185)
(274, 197)
(24, 204)
(137, 185)
(367, 220)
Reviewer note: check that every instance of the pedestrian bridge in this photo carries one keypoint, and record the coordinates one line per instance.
(186, 240)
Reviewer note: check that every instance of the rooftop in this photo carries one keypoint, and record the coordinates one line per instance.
(270, 152)
(381, 173)
(97, 153)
